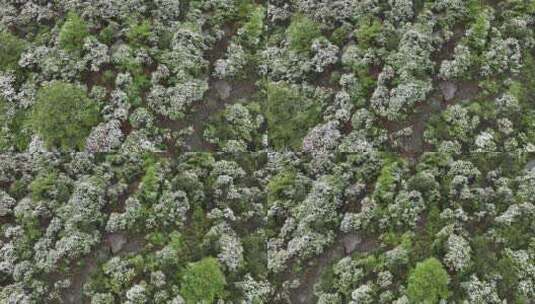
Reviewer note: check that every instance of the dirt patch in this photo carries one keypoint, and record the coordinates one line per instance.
(412, 146)
(220, 93)
(80, 275)
(110, 244)
(345, 245)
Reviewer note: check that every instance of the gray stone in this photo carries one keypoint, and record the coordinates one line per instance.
(449, 89)
(351, 242)
(530, 165)
(223, 89)
(116, 241)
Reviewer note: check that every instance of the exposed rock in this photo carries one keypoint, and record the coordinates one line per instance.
(449, 89)
(116, 241)
(223, 89)
(530, 165)
(351, 242)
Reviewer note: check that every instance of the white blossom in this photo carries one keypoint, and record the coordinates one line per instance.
(362, 295)
(458, 253)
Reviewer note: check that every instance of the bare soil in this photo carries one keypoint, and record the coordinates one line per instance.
(345, 245)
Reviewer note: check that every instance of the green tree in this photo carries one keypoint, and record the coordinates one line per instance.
(10, 49)
(63, 115)
(73, 33)
(428, 282)
(301, 32)
(203, 282)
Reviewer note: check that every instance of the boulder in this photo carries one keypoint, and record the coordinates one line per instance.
(116, 241)
(223, 89)
(449, 89)
(351, 243)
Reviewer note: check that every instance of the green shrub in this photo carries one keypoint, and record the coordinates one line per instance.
(479, 31)
(194, 234)
(509, 277)
(254, 27)
(301, 32)
(428, 282)
(340, 34)
(278, 184)
(150, 183)
(14, 131)
(11, 48)
(63, 115)
(367, 32)
(484, 255)
(73, 33)
(386, 182)
(106, 34)
(42, 185)
(424, 241)
(244, 9)
(289, 115)
(203, 282)
(255, 254)
(139, 33)
(234, 123)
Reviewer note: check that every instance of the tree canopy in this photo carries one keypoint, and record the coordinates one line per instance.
(63, 115)
(203, 282)
(428, 282)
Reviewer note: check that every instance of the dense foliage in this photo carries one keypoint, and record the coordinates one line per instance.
(251, 151)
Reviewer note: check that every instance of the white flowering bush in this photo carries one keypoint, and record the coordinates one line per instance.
(233, 66)
(458, 253)
(325, 54)
(173, 102)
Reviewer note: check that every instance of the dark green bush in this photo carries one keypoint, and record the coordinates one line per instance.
(386, 181)
(41, 186)
(150, 183)
(255, 254)
(106, 34)
(340, 34)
